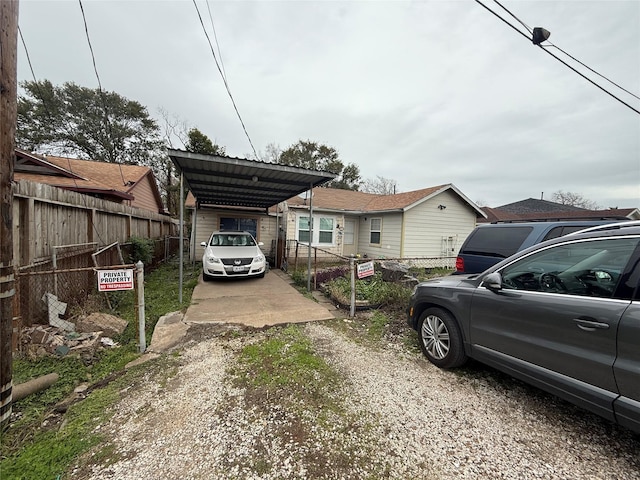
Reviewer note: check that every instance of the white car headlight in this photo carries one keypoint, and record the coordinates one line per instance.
(259, 258)
(212, 259)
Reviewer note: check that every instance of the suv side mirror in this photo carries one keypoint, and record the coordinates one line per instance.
(493, 281)
(203, 244)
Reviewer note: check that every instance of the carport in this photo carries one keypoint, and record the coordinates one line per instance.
(238, 182)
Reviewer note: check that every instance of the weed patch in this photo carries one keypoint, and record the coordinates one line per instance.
(298, 399)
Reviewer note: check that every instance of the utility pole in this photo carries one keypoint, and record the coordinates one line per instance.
(8, 115)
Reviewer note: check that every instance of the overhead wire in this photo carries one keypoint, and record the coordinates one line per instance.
(46, 108)
(224, 79)
(589, 68)
(550, 44)
(100, 90)
(215, 37)
(529, 29)
(559, 59)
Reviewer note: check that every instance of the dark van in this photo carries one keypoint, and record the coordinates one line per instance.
(489, 243)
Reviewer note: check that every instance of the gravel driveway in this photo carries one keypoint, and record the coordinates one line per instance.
(408, 420)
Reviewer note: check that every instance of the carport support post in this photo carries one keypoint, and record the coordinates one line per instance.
(352, 311)
(181, 236)
(310, 237)
(141, 314)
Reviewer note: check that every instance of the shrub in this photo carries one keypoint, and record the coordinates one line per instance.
(141, 250)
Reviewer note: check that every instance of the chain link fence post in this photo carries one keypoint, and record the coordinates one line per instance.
(352, 311)
(141, 314)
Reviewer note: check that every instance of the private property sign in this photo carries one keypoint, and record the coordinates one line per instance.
(365, 270)
(111, 280)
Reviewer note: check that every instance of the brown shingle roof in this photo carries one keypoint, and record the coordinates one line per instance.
(109, 179)
(113, 175)
(337, 199)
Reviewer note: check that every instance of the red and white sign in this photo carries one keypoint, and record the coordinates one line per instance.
(112, 280)
(365, 269)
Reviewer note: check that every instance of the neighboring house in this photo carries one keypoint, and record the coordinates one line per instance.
(432, 222)
(131, 185)
(543, 210)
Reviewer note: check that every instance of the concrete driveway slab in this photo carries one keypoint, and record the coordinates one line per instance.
(255, 302)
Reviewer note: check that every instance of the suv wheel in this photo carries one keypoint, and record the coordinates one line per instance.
(441, 339)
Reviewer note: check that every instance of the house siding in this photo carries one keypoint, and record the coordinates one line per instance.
(208, 221)
(144, 196)
(390, 236)
(433, 232)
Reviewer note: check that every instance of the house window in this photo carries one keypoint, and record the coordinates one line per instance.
(375, 231)
(321, 232)
(325, 232)
(303, 229)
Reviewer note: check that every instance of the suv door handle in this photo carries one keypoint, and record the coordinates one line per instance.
(589, 325)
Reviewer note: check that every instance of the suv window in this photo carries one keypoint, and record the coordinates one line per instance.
(556, 232)
(494, 242)
(588, 268)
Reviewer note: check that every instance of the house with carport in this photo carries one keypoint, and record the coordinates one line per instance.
(282, 205)
(427, 223)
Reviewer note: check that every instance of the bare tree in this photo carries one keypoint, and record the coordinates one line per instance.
(574, 199)
(173, 128)
(379, 185)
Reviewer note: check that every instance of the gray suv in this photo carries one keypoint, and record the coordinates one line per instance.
(563, 315)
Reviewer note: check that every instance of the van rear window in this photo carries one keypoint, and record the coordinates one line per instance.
(496, 242)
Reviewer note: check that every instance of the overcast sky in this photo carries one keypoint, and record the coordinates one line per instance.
(424, 93)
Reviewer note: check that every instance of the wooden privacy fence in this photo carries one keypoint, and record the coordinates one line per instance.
(44, 216)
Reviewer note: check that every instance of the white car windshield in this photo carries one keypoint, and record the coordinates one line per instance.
(231, 240)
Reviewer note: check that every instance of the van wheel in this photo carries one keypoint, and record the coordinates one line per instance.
(441, 339)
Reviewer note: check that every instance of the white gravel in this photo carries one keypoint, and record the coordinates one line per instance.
(424, 423)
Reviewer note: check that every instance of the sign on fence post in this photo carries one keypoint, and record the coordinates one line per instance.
(113, 280)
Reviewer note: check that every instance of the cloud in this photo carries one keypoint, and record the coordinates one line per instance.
(424, 93)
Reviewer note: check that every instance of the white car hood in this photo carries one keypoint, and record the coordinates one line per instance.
(232, 252)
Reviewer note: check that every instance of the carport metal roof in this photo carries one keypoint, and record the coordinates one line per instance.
(229, 181)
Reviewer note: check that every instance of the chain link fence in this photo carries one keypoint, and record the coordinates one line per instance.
(55, 289)
(326, 265)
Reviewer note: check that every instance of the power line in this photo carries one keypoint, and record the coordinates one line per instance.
(226, 85)
(588, 67)
(46, 108)
(559, 59)
(100, 91)
(518, 20)
(567, 54)
(215, 36)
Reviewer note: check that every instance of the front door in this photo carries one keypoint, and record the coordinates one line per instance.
(349, 238)
(242, 224)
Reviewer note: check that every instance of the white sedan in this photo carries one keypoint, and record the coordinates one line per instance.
(232, 254)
